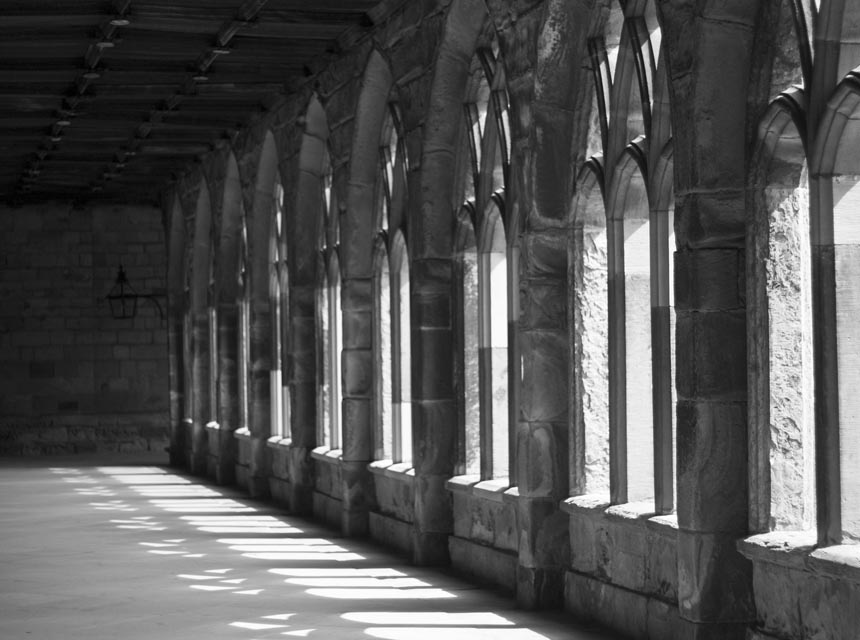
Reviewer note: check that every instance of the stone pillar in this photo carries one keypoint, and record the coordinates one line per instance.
(711, 48)
(542, 426)
(200, 401)
(303, 400)
(259, 396)
(431, 242)
(434, 415)
(356, 438)
(176, 379)
(228, 391)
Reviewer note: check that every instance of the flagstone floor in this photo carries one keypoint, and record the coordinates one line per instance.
(130, 549)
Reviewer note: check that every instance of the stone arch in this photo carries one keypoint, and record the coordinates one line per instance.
(357, 228)
(836, 34)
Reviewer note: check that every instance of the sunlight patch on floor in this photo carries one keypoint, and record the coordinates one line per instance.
(452, 633)
(436, 618)
(381, 594)
(206, 505)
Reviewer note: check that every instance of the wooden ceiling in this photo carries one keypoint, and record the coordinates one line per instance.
(113, 98)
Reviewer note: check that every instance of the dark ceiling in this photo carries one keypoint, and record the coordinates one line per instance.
(112, 98)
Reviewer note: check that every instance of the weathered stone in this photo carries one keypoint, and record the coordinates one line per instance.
(714, 580)
(712, 474)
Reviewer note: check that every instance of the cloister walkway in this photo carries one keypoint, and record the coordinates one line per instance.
(107, 549)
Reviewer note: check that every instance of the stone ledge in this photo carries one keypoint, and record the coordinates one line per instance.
(277, 442)
(797, 550)
(635, 513)
(324, 454)
(461, 484)
(398, 471)
(497, 490)
(242, 434)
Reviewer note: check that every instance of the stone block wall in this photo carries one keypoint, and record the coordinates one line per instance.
(74, 379)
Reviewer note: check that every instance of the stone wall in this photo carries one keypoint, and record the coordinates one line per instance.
(74, 379)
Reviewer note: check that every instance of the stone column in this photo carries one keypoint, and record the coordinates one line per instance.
(200, 401)
(356, 438)
(431, 243)
(259, 395)
(228, 391)
(709, 74)
(303, 401)
(542, 427)
(176, 379)
(434, 415)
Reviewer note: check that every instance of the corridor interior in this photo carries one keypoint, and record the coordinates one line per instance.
(560, 295)
(126, 547)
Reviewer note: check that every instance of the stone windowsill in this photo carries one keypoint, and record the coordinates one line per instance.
(242, 434)
(213, 426)
(634, 513)
(279, 442)
(797, 550)
(324, 454)
(398, 471)
(496, 490)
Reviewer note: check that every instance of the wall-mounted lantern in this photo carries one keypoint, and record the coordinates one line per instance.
(123, 298)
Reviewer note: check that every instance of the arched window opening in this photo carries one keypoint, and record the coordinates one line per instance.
(482, 285)
(244, 304)
(603, 58)
(780, 349)
(468, 346)
(401, 352)
(329, 330)
(590, 317)
(392, 395)
(495, 134)
(188, 352)
(335, 341)
(631, 408)
(493, 304)
(391, 184)
(840, 146)
(663, 328)
(382, 354)
(212, 297)
(622, 273)
(324, 374)
(277, 269)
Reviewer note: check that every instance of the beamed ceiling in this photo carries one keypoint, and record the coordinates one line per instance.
(114, 98)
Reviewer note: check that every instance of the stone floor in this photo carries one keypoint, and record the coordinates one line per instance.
(107, 549)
